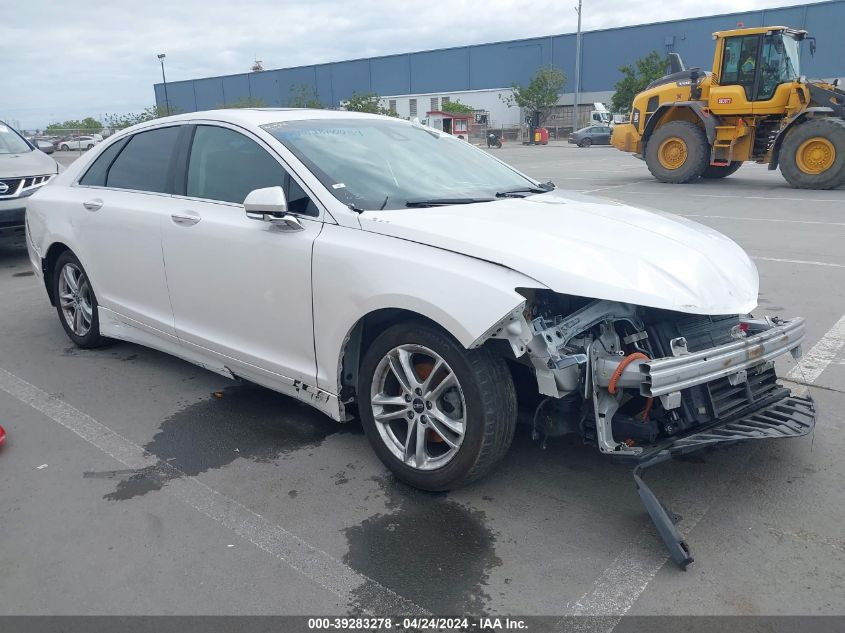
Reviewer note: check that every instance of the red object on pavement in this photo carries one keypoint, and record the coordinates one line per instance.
(2, 435)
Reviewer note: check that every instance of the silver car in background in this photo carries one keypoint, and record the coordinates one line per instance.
(23, 170)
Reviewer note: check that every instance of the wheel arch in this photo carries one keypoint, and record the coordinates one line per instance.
(364, 331)
(48, 263)
(691, 111)
(807, 115)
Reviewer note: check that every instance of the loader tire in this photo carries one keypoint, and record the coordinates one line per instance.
(677, 152)
(813, 154)
(721, 171)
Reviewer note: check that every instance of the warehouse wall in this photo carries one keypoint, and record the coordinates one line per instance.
(499, 64)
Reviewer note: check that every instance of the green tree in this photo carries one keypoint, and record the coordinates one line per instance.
(120, 121)
(88, 124)
(246, 102)
(304, 96)
(635, 78)
(457, 107)
(366, 102)
(541, 93)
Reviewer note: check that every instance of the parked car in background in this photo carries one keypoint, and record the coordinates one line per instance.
(374, 267)
(78, 142)
(592, 135)
(23, 170)
(40, 143)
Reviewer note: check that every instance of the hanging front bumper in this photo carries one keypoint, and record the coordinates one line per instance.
(791, 416)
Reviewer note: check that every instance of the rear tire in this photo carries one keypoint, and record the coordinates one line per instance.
(813, 154)
(719, 171)
(76, 302)
(483, 397)
(585, 143)
(677, 152)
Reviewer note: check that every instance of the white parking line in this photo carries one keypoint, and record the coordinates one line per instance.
(733, 197)
(814, 362)
(729, 217)
(616, 186)
(797, 261)
(620, 585)
(322, 568)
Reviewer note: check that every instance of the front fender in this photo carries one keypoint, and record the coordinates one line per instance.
(356, 273)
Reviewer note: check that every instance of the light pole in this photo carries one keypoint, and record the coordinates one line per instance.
(575, 117)
(161, 57)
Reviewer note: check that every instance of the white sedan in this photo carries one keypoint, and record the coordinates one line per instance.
(79, 142)
(378, 268)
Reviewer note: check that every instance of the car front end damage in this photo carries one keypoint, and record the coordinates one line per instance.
(645, 384)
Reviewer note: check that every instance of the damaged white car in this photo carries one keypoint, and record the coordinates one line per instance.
(377, 268)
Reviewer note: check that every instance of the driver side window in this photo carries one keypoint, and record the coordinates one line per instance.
(739, 63)
(225, 165)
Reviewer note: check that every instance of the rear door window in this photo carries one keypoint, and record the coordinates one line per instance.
(145, 164)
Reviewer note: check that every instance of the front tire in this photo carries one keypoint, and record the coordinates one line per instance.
(437, 415)
(76, 302)
(721, 171)
(64, 148)
(813, 154)
(677, 152)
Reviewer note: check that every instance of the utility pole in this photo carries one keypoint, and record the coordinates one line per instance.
(575, 117)
(161, 57)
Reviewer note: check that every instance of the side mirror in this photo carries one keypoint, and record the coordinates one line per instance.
(269, 205)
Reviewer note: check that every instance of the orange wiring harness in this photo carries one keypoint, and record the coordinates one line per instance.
(630, 358)
(611, 386)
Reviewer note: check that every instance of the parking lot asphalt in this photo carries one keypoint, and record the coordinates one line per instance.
(135, 483)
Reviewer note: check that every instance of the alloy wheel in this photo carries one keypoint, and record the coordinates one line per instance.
(75, 299)
(418, 407)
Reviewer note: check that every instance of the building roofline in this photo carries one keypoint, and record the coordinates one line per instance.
(514, 41)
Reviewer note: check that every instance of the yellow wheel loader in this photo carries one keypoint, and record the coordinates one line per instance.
(754, 105)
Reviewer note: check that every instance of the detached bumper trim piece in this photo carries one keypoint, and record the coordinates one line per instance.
(789, 417)
(666, 375)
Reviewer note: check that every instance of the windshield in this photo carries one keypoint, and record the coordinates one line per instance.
(378, 164)
(11, 142)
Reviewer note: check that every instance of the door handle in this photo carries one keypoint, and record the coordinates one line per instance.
(93, 205)
(186, 218)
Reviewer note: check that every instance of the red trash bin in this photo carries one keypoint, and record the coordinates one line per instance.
(544, 136)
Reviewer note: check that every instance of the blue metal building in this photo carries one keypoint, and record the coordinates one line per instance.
(499, 64)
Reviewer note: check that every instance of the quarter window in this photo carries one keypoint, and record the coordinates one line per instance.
(97, 172)
(144, 163)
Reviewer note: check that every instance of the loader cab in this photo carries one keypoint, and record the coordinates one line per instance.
(754, 70)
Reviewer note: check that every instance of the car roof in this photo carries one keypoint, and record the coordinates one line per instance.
(256, 117)
(261, 116)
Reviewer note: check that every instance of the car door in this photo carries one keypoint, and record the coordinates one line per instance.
(605, 135)
(241, 287)
(124, 198)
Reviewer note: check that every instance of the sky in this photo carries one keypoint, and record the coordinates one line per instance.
(67, 60)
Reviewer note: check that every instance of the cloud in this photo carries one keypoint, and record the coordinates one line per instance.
(60, 62)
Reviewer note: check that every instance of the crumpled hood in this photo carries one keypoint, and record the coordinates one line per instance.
(34, 163)
(584, 246)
